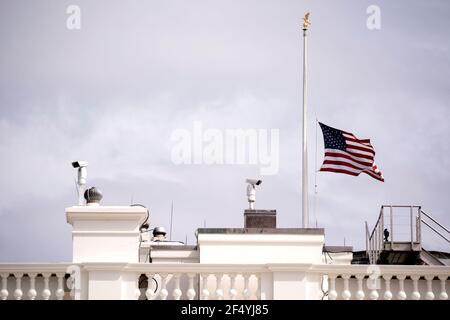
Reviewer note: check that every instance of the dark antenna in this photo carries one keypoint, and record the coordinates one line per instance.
(171, 221)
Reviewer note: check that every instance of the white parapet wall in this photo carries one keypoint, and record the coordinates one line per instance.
(268, 246)
(234, 245)
(226, 264)
(106, 234)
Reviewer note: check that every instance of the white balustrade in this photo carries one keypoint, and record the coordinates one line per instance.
(213, 281)
(233, 281)
(33, 281)
(400, 282)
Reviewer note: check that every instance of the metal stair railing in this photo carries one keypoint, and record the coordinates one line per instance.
(375, 242)
(437, 225)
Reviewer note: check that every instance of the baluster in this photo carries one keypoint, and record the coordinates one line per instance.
(346, 294)
(247, 293)
(137, 290)
(191, 291)
(233, 291)
(443, 295)
(387, 293)
(205, 291)
(4, 292)
(372, 283)
(332, 294)
(176, 293)
(401, 295)
(258, 289)
(72, 285)
(219, 291)
(46, 293)
(415, 294)
(60, 290)
(18, 292)
(429, 295)
(360, 293)
(164, 293)
(150, 293)
(32, 292)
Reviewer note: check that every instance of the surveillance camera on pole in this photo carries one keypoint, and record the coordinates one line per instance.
(82, 179)
(251, 191)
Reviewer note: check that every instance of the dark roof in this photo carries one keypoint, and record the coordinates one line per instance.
(314, 231)
(173, 247)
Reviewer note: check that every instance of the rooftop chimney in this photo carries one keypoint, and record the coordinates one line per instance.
(260, 218)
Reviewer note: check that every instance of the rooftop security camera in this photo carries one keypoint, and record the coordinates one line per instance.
(251, 191)
(82, 179)
(254, 181)
(79, 164)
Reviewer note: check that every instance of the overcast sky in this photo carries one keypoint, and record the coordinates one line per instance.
(114, 91)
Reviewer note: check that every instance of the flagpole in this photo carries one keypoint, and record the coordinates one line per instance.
(305, 207)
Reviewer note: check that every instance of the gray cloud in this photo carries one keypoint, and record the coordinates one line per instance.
(114, 91)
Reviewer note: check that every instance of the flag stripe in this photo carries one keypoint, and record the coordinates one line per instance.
(352, 136)
(364, 142)
(360, 155)
(370, 173)
(345, 162)
(339, 171)
(347, 170)
(346, 155)
(358, 144)
(361, 149)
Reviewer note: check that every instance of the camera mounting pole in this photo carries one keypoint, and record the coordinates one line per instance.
(81, 179)
(251, 192)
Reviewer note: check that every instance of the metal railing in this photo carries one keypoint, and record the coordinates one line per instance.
(388, 230)
(435, 226)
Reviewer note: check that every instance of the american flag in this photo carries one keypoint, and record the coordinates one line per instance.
(345, 153)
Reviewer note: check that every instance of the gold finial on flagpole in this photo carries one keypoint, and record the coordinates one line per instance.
(306, 22)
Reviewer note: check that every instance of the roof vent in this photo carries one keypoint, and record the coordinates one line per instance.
(159, 234)
(93, 196)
